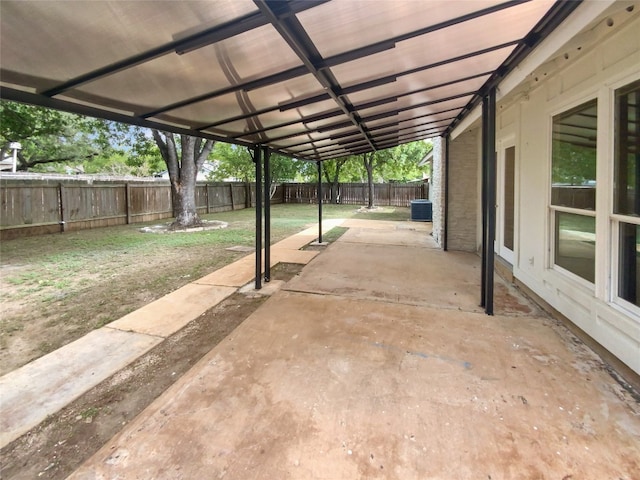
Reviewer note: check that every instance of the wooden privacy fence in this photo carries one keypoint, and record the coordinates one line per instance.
(33, 207)
(38, 207)
(385, 194)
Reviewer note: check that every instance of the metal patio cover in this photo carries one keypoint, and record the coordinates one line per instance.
(311, 79)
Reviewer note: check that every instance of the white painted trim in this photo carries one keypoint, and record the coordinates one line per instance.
(467, 121)
(576, 100)
(614, 219)
(580, 18)
(575, 211)
(625, 219)
(504, 143)
(604, 191)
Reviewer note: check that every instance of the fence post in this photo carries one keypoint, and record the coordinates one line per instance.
(206, 196)
(63, 224)
(127, 192)
(231, 194)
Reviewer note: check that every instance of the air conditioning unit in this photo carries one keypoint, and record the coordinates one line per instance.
(421, 211)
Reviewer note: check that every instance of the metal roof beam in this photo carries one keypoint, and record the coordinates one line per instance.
(338, 126)
(367, 85)
(431, 114)
(297, 38)
(313, 118)
(558, 12)
(342, 135)
(391, 113)
(80, 109)
(247, 86)
(184, 45)
(455, 21)
(318, 65)
(374, 129)
(338, 146)
(397, 134)
(407, 140)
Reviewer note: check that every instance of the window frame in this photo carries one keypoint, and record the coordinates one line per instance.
(589, 97)
(616, 219)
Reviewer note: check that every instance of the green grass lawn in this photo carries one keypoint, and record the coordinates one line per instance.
(58, 287)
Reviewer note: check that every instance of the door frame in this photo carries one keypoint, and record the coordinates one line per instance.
(503, 145)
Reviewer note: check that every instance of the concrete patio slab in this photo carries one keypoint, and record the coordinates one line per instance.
(170, 313)
(268, 288)
(406, 274)
(354, 389)
(292, 256)
(42, 387)
(237, 274)
(305, 237)
(385, 224)
(242, 271)
(386, 236)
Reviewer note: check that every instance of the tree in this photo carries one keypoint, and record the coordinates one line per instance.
(405, 159)
(235, 162)
(282, 169)
(183, 163)
(399, 163)
(573, 164)
(49, 136)
(368, 160)
(331, 170)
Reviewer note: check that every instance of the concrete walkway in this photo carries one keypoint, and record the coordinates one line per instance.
(377, 363)
(44, 386)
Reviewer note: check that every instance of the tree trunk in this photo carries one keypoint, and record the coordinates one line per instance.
(334, 182)
(183, 173)
(335, 190)
(368, 160)
(184, 205)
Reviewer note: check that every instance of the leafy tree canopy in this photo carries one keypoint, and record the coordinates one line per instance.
(234, 162)
(52, 140)
(50, 136)
(573, 164)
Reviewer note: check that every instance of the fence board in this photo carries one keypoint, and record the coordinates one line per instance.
(32, 207)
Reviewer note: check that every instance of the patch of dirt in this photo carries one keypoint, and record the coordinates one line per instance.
(39, 318)
(61, 443)
(167, 228)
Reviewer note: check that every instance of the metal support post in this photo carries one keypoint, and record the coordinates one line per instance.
(489, 164)
(267, 215)
(445, 227)
(257, 159)
(483, 202)
(319, 202)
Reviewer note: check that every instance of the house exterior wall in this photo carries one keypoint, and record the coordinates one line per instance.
(610, 63)
(464, 163)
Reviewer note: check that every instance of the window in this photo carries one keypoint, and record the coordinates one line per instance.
(629, 264)
(626, 191)
(575, 248)
(509, 197)
(573, 190)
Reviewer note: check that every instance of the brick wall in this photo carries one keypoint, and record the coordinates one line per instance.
(464, 155)
(436, 189)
